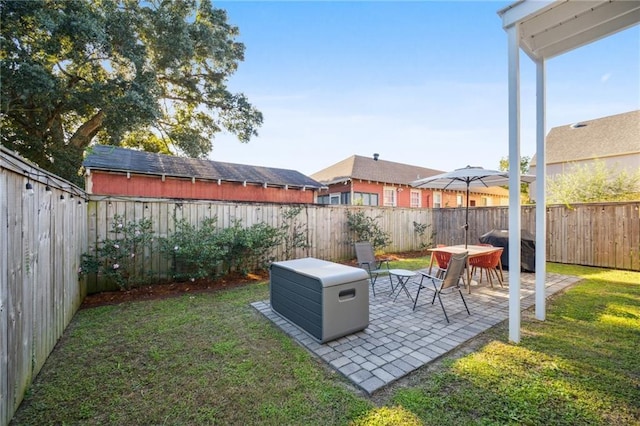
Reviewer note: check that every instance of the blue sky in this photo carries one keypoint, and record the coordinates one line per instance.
(422, 83)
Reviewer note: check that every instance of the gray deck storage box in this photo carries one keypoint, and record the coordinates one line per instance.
(325, 299)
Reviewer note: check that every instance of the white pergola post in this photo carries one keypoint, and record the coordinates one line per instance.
(514, 183)
(544, 29)
(541, 184)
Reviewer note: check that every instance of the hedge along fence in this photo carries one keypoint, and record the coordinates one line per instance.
(605, 235)
(325, 229)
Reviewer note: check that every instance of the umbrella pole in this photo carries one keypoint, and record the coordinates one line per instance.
(466, 221)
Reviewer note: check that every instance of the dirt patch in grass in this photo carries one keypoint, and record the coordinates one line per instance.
(159, 291)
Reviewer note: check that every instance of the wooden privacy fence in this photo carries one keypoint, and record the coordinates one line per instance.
(325, 227)
(597, 234)
(605, 235)
(41, 240)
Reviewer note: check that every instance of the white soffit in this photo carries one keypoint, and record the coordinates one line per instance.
(550, 28)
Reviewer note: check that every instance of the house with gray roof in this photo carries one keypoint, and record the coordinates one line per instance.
(111, 170)
(614, 140)
(371, 181)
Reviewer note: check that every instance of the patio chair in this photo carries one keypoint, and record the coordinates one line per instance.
(489, 264)
(450, 281)
(442, 259)
(367, 261)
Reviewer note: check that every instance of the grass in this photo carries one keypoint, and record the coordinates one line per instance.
(410, 263)
(212, 359)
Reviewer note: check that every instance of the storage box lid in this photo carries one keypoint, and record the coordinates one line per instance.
(328, 273)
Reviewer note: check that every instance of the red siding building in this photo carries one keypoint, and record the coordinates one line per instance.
(360, 180)
(111, 170)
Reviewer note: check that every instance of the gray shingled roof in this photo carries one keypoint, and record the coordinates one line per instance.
(366, 168)
(115, 159)
(600, 138)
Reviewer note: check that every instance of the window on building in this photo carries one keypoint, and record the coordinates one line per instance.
(359, 199)
(416, 199)
(437, 200)
(459, 200)
(389, 197)
(365, 199)
(487, 201)
(345, 198)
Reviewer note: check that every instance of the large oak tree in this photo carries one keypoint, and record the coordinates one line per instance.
(147, 74)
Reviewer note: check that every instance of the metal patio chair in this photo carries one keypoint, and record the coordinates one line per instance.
(367, 261)
(450, 281)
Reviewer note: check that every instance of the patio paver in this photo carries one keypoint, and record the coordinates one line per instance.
(399, 340)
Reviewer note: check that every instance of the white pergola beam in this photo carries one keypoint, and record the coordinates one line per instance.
(516, 12)
(561, 13)
(550, 28)
(582, 30)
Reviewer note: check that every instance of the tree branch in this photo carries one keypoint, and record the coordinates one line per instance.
(87, 131)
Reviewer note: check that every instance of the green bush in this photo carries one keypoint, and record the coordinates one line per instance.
(426, 239)
(246, 249)
(293, 234)
(206, 251)
(116, 258)
(365, 228)
(195, 252)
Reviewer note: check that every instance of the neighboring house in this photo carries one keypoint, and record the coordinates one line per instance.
(359, 180)
(112, 170)
(615, 140)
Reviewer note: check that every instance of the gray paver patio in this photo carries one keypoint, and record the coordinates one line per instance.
(399, 340)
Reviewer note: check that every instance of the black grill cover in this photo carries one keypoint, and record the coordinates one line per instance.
(500, 238)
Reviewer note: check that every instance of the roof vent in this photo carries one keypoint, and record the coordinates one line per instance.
(577, 125)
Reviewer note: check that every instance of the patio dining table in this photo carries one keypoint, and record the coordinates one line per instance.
(472, 250)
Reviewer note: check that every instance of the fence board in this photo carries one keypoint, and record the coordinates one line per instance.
(20, 333)
(634, 253)
(5, 413)
(41, 244)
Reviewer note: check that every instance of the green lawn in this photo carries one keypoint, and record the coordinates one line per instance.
(211, 359)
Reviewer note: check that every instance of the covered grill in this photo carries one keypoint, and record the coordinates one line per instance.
(500, 238)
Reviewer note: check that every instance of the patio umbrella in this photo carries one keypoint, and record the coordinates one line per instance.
(462, 179)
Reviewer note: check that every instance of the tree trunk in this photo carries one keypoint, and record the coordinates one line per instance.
(82, 137)
(67, 156)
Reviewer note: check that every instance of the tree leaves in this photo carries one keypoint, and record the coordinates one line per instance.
(593, 182)
(150, 74)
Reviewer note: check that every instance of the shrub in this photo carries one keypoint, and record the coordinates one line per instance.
(426, 240)
(246, 249)
(195, 252)
(292, 233)
(205, 251)
(116, 258)
(365, 228)
(593, 183)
